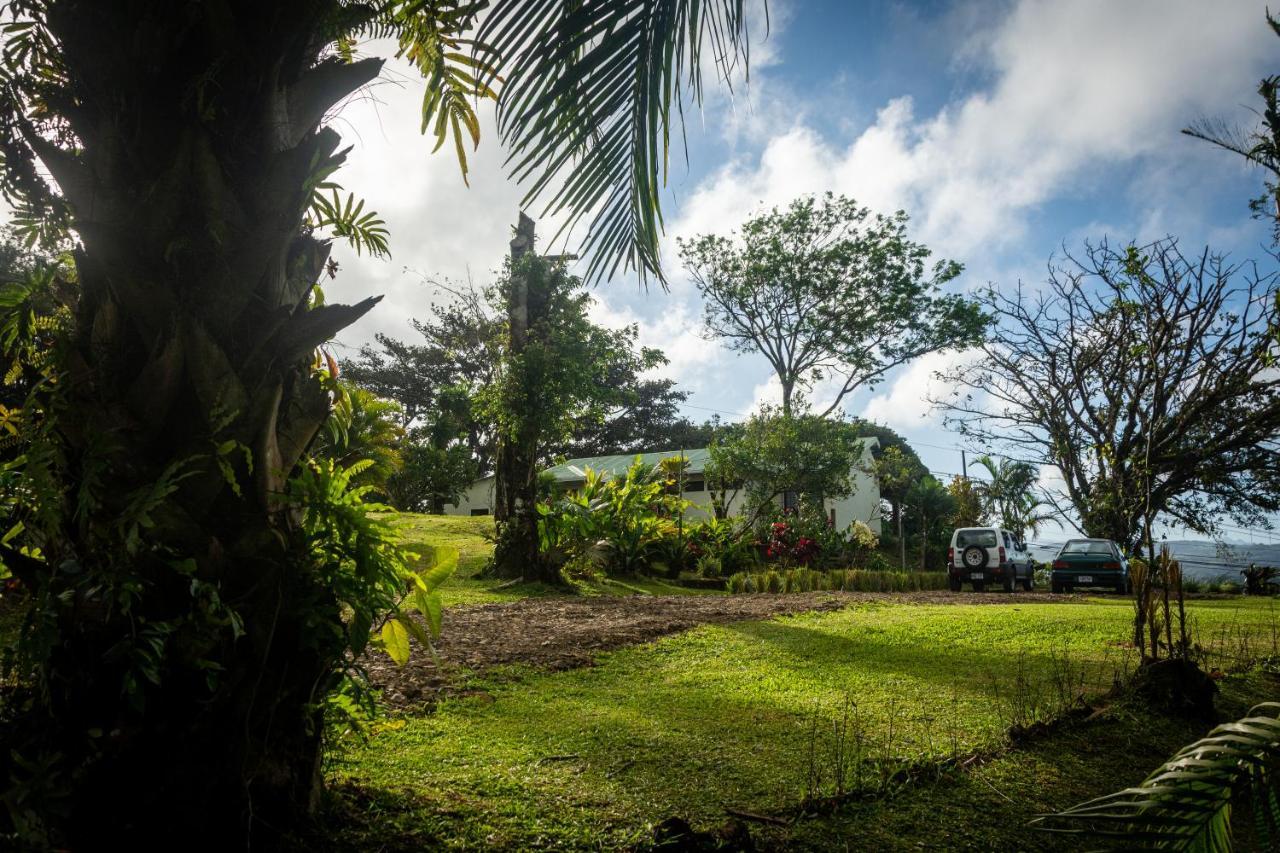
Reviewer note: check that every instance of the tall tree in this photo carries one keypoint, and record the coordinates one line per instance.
(557, 370)
(1144, 376)
(189, 623)
(824, 290)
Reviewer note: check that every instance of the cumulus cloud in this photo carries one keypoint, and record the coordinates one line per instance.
(1074, 87)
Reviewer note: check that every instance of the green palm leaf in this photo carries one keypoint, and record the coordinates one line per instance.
(589, 93)
(1186, 803)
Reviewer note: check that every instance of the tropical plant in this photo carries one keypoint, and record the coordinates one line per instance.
(824, 290)
(622, 522)
(1186, 803)
(363, 428)
(1009, 496)
(930, 504)
(184, 632)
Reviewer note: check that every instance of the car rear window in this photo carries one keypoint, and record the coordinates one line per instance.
(981, 538)
(1082, 546)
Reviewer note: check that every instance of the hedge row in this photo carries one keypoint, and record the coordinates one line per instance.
(848, 580)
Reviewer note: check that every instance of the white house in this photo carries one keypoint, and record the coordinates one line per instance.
(862, 505)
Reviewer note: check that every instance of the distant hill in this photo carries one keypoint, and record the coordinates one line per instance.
(1200, 559)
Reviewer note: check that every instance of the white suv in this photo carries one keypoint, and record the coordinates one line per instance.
(982, 555)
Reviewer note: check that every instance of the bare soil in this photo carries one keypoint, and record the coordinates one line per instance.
(564, 633)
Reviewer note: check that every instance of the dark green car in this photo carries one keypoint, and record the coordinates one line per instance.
(1090, 563)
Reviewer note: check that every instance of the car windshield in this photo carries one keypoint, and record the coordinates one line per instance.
(981, 538)
(1084, 546)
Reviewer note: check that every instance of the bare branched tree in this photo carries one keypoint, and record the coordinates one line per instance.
(1128, 355)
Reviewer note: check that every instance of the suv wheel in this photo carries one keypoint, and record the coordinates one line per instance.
(954, 584)
(1009, 579)
(1029, 582)
(979, 586)
(1056, 587)
(974, 557)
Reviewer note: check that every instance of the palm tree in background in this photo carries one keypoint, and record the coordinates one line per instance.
(1010, 497)
(186, 635)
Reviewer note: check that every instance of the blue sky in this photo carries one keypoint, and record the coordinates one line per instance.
(1005, 129)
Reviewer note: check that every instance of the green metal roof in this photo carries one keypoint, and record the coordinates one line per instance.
(573, 470)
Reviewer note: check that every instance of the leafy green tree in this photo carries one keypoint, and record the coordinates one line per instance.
(968, 511)
(824, 290)
(195, 569)
(430, 475)
(896, 468)
(774, 454)
(560, 374)
(647, 420)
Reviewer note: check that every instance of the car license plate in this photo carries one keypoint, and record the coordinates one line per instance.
(976, 576)
(1085, 579)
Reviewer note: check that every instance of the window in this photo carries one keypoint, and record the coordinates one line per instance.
(484, 510)
(1089, 546)
(695, 486)
(983, 538)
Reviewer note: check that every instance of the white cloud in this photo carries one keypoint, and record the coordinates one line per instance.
(1075, 87)
(905, 404)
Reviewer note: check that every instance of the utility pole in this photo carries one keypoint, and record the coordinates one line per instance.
(964, 465)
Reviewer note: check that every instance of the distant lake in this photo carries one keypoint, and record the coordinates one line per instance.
(1199, 559)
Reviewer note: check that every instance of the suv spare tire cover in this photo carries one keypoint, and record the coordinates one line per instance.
(974, 557)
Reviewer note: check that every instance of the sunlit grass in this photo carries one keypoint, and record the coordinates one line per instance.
(720, 716)
(472, 537)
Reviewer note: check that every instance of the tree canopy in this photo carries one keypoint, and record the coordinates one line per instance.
(827, 291)
(1144, 375)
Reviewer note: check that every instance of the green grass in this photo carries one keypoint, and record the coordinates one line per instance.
(472, 538)
(720, 716)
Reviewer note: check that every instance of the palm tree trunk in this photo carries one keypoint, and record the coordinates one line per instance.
(197, 147)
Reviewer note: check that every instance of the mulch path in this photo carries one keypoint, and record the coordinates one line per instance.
(564, 633)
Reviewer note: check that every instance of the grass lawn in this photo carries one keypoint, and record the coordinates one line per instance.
(722, 716)
(468, 536)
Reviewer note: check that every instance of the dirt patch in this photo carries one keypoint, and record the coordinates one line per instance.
(563, 633)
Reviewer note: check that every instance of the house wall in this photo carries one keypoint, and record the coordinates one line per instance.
(478, 496)
(863, 505)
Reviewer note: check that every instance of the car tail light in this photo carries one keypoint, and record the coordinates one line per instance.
(951, 556)
(1111, 565)
(1002, 553)
(1059, 564)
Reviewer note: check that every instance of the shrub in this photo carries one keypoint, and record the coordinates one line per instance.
(709, 566)
(848, 580)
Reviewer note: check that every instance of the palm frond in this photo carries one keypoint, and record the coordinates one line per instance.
(348, 220)
(1186, 803)
(589, 96)
(458, 70)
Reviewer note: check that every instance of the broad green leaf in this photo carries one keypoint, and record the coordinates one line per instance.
(395, 639)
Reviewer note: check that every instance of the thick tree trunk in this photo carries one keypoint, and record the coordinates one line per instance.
(516, 552)
(192, 697)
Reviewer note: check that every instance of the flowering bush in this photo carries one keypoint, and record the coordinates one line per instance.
(788, 544)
